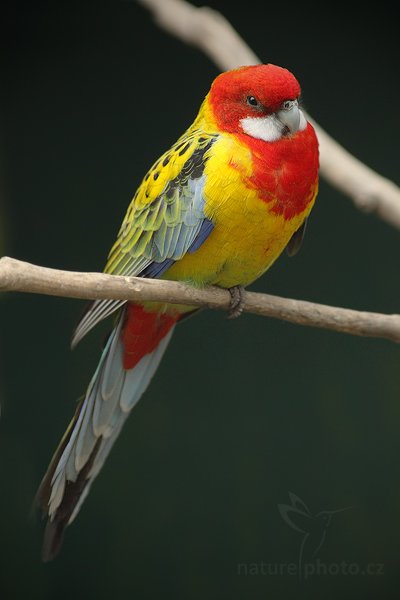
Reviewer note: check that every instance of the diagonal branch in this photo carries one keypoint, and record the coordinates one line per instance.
(214, 35)
(19, 276)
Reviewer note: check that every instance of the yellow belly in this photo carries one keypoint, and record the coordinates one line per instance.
(247, 237)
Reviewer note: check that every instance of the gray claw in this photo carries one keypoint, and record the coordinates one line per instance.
(237, 301)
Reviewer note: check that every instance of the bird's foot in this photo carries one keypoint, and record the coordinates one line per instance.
(237, 301)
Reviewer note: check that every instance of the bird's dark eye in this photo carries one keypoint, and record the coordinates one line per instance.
(289, 104)
(252, 101)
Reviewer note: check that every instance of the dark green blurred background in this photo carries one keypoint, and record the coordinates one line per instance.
(241, 413)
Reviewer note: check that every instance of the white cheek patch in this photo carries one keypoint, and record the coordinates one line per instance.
(268, 128)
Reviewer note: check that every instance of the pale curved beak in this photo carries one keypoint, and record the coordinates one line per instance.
(292, 117)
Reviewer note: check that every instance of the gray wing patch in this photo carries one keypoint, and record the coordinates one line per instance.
(296, 240)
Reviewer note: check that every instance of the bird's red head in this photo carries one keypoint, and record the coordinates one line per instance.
(244, 98)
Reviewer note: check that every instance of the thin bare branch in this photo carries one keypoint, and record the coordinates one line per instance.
(214, 35)
(19, 276)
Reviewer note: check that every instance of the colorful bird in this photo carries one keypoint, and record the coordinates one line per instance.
(218, 208)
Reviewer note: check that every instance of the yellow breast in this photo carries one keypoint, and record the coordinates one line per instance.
(247, 237)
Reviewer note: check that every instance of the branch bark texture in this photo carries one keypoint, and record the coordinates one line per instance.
(19, 276)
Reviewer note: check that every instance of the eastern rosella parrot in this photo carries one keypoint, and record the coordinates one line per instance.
(217, 208)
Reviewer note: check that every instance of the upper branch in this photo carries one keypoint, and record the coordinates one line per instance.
(19, 276)
(214, 35)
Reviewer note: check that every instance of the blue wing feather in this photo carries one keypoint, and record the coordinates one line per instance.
(206, 228)
(160, 232)
(156, 269)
